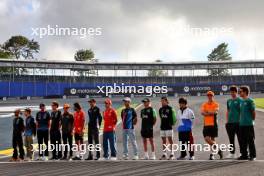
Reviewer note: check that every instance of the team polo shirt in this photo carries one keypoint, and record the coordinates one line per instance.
(247, 106)
(168, 117)
(128, 115)
(43, 120)
(233, 107)
(148, 115)
(110, 120)
(79, 120)
(210, 120)
(185, 119)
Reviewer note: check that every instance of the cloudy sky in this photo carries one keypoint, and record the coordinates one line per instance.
(140, 30)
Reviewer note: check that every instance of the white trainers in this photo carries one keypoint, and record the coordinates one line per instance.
(125, 157)
(113, 158)
(192, 158)
(153, 156)
(135, 157)
(231, 156)
(45, 158)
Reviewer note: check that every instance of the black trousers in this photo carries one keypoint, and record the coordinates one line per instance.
(247, 137)
(55, 139)
(43, 136)
(17, 141)
(67, 139)
(93, 138)
(186, 137)
(232, 130)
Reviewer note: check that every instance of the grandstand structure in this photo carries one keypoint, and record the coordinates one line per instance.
(33, 78)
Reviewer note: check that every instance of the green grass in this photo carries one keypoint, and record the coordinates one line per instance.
(259, 102)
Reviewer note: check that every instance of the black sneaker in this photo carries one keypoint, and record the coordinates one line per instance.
(242, 158)
(97, 158)
(89, 158)
(211, 157)
(220, 153)
(252, 159)
(64, 158)
(76, 158)
(163, 157)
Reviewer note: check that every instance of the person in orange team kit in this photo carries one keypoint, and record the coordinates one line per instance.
(210, 110)
(109, 137)
(79, 122)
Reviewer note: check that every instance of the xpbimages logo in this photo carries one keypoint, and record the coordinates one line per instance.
(132, 89)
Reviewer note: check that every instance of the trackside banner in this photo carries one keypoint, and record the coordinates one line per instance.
(149, 90)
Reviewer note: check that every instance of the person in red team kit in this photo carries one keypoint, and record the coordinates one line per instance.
(109, 137)
(79, 121)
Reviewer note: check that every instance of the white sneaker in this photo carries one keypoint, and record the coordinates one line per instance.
(135, 157)
(153, 156)
(113, 158)
(125, 157)
(231, 156)
(146, 157)
(45, 158)
(192, 158)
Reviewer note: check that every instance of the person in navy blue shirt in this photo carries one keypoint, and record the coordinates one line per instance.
(129, 119)
(43, 125)
(30, 131)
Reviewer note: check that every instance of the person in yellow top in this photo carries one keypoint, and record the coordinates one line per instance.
(210, 110)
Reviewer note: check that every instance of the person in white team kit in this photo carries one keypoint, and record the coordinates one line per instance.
(185, 117)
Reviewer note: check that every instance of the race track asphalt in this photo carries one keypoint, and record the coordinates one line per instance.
(201, 166)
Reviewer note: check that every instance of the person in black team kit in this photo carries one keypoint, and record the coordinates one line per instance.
(18, 128)
(95, 120)
(55, 134)
(168, 119)
(43, 124)
(67, 130)
(148, 116)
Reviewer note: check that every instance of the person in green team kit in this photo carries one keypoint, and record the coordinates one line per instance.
(232, 115)
(246, 125)
(168, 119)
(148, 116)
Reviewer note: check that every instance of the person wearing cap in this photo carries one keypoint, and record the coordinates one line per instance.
(168, 119)
(67, 121)
(148, 115)
(55, 134)
(185, 117)
(129, 119)
(232, 119)
(210, 110)
(43, 126)
(79, 122)
(94, 123)
(109, 136)
(246, 125)
(30, 131)
(17, 140)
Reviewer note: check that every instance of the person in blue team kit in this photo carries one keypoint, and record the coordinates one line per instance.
(43, 124)
(129, 119)
(185, 117)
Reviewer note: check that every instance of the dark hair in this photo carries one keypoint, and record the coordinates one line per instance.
(77, 106)
(245, 89)
(41, 105)
(233, 89)
(164, 98)
(55, 103)
(182, 100)
(28, 110)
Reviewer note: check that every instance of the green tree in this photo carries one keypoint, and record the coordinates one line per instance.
(5, 55)
(21, 47)
(220, 53)
(155, 72)
(88, 56)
